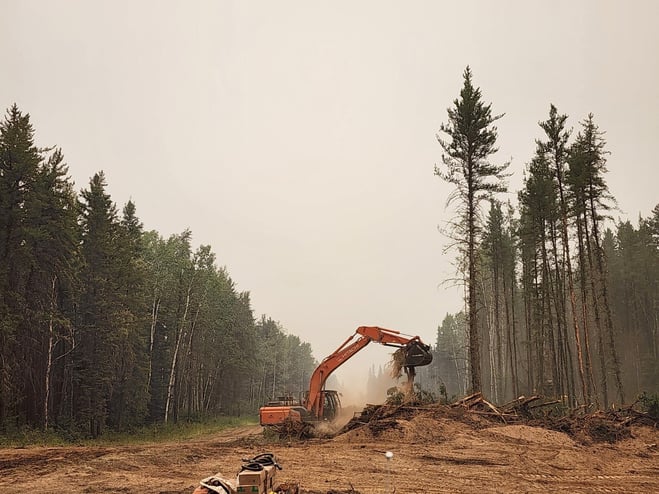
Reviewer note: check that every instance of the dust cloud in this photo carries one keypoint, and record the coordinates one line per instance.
(364, 380)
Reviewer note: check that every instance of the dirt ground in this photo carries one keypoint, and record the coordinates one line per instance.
(431, 454)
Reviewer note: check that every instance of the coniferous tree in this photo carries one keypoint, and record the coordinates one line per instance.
(128, 403)
(471, 141)
(37, 270)
(575, 180)
(19, 164)
(450, 354)
(499, 287)
(100, 310)
(549, 355)
(555, 149)
(592, 202)
(653, 226)
(510, 288)
(633, 261)
(493, 249)
(52, 216)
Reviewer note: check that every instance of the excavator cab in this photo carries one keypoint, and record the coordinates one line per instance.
(331, 404)
(417, 354)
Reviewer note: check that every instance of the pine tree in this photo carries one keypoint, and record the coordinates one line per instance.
(555, 149)
(471, 141)
(592, 203)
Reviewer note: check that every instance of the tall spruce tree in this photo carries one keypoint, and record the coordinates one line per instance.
(100, 309)
(128, 403)
(471, 138)
(19, 163)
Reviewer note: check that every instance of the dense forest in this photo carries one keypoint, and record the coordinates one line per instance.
(560, 300)
(104, 325)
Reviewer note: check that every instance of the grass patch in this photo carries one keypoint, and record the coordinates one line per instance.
(31, 437)
(159, 432)
(177, 432)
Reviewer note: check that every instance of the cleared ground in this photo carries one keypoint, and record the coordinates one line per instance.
(432, 454)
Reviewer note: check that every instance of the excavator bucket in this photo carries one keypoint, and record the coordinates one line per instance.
(417, 354)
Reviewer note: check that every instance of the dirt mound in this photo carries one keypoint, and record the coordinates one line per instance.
(534, 435)
(419, 429)
(431, 423)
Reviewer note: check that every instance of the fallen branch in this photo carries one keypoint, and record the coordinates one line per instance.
(494, 409)
(545, 404)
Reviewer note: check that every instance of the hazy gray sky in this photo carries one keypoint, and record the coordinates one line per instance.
(298, 137)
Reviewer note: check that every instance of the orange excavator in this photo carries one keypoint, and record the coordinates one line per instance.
(320, 404)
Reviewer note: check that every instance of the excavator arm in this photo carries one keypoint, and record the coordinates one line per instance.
(416, 354)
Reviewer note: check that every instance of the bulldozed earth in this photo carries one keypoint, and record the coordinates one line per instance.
(470, 446)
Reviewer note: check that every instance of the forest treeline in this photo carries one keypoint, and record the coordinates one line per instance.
(104, 325)
(559, 300)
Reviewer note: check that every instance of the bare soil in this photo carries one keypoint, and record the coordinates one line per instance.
(432, 453)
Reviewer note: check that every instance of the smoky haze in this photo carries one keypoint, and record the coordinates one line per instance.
(298, 138)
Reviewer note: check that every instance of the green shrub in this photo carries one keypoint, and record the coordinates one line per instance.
(650, 404)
